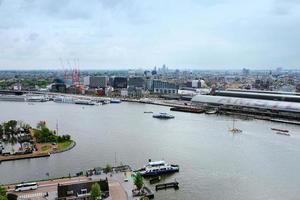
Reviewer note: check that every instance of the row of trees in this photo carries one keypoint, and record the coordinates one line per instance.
(43, 134)
(26, 83)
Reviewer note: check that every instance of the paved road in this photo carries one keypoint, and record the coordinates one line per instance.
(118, 189)
(49, 186)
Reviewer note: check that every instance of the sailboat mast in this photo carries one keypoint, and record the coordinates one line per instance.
(56, 127)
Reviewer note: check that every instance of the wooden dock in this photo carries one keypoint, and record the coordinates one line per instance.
(165, 186)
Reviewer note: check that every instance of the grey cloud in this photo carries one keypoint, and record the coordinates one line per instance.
(32, 37)
(145, 33)
(284, 7)
(111, 3)
(62, 9)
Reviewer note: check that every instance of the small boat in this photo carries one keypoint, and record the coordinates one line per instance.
(157, 168)
(210, 112)
(282, 133)
(280, 130)
(115, 101)
(148, 112)
(233, 129)
(105, 102)
(163, 116)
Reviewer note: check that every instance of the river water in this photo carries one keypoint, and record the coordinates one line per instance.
(214, 164)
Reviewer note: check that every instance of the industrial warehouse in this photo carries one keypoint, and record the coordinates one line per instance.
(253, 104)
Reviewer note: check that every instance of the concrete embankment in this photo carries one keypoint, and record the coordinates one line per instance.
(25, 156)
(35, 155)
(72, 145)
(259, 117)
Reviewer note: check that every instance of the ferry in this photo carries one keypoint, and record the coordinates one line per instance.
(163, 116)
(157, 168)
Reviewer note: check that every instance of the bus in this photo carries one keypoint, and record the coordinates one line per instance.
(26, 186)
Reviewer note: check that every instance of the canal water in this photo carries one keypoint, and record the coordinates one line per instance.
(214, 164)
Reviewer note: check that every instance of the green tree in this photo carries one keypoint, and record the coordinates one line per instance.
(41, 125)
(43, 134)
(11, 124)
(3, 197)
(2, 191)
(107, 168)
(138, 181)
(95, 191)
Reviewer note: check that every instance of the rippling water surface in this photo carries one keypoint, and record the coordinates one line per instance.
(215, 164)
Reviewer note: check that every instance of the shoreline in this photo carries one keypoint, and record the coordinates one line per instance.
(71, 146)
(36, 155)
(25, 156)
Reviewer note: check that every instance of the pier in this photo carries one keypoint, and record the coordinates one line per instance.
(165, 186)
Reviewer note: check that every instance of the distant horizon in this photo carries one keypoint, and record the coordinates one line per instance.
(150, 69)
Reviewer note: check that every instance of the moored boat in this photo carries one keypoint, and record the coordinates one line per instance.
(36, 99)
(187, 109)
(280, 130)
(63, 99)
(84, 102)
(155, 179)
(212, 111)
(115, 101)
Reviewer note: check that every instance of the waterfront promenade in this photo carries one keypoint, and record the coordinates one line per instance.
(118, 188)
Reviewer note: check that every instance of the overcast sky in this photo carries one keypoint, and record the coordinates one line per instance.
(119, 34)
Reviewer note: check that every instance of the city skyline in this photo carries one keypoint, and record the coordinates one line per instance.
(121, 34)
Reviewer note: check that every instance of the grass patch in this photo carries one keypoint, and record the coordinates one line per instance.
(64, 145)
(45, 148)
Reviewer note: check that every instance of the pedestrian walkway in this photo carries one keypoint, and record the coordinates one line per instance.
(116, 191)
(32, 196)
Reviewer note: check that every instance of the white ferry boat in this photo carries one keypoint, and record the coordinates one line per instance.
(157, 168)
(163, 116)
